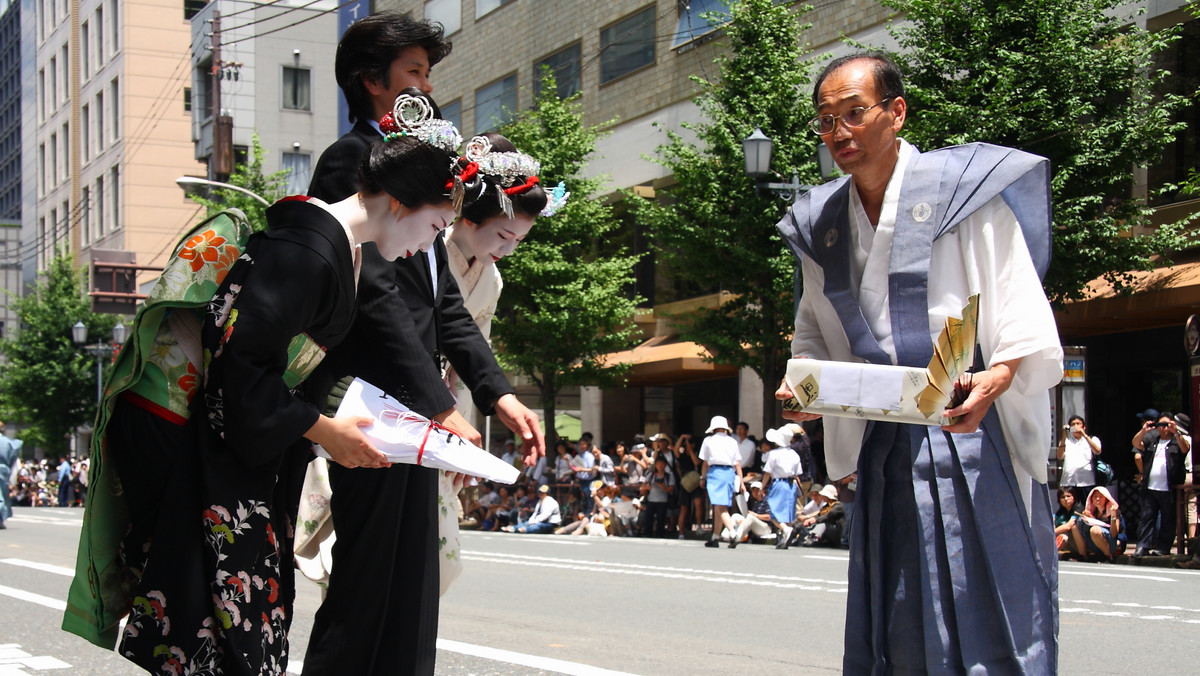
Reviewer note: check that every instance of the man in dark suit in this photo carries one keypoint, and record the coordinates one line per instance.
(380, 614)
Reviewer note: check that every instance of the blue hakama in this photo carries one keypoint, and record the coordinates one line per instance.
(720, 484)
(781, 496)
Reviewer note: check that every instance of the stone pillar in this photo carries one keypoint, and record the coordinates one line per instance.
(750, 400)
(591, 412)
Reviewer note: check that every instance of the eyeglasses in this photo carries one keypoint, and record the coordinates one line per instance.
(1162, 424)
(855, 117)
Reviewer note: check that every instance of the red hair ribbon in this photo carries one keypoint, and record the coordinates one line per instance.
(469, 172)
(523, 188)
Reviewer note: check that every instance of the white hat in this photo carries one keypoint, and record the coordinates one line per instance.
(755, 484)
(781, 437)
(718, 422)
(829, 492)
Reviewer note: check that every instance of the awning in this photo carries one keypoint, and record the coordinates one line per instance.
(1160, 297)
(665, 360)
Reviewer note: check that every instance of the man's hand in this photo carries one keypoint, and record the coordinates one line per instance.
(783, 394)
(453, 420)
(524, 423)
(984, 388)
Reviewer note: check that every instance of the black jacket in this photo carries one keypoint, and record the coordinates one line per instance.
(1175, 470)
(336, 175)
(403, 325)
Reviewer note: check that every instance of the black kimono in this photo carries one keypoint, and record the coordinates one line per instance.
(217, 591)
(381, 610)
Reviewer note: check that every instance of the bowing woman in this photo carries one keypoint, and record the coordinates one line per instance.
(509, 200)
(212, 584)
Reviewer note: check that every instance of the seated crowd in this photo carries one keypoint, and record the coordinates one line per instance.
(652, 488)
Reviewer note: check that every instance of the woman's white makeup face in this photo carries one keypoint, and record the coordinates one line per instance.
(495, 238)
(413, 230)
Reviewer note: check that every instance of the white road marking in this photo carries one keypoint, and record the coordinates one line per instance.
(14, 661)
(46, 520)
(33, 598)
(45, 567)
(1126, 576)
(507, 656)
(718, 576)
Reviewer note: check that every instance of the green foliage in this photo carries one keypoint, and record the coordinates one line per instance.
(1065, 79)
(565, 300)
(47, 382)
(714, 230)
(249, 176)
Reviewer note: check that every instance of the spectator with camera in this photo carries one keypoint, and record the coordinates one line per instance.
(1078, 451)
(1159, 449)
(656, 492)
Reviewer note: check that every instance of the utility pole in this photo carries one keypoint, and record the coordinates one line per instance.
(220, 164)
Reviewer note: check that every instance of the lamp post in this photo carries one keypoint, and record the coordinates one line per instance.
(757, 148)
(194, 184)
(100, 349)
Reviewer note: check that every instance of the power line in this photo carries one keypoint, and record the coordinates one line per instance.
(294, 23)
(253, 6)
(289, 10)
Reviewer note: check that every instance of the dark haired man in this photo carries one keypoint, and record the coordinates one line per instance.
(1077, 450)
(378, 57)
(952, 558)
(1159, 451)
(380, 614)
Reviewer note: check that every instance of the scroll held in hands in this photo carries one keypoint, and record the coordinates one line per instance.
(891, 393)
(407, 437)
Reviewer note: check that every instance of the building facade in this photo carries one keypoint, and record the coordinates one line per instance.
(10, 162)
(112, 132)
(276, 80)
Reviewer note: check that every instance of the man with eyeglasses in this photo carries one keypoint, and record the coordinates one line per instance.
(953, 567)
(1159, 449)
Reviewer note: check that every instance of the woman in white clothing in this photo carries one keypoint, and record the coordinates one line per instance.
(721, 474)
(508, 200)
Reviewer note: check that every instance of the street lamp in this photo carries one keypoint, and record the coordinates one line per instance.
(194, 184)
(100, 349)
(757, 148)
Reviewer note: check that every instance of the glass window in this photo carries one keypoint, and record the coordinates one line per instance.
(85, 50)
(53, 181)
(691, 25)
(115, 25)
(203, 81)
(85, 131)
(85, 210)
(296, 91)
(300, 166)
(453, 112)
(99, 122)
(446, 12)
(116, 196)
(495, 104)
(99, 24)
(565, 64)
(627, 45)
(192, 7)
(116, 112)
(187, 99)
(483, 7)
(99, 206)
(53, 85)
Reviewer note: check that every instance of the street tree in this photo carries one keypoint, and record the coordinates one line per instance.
(713, 229)
(248, 175)
(1071, 80)
(567, 299)
(47, 382)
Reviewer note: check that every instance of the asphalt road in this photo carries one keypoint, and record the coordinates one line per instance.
(566, 605)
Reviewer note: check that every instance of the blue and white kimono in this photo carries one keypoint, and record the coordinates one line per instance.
(952, 561)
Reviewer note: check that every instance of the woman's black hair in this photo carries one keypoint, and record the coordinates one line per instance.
(529, 203)
(370, 45)
(412, 171)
